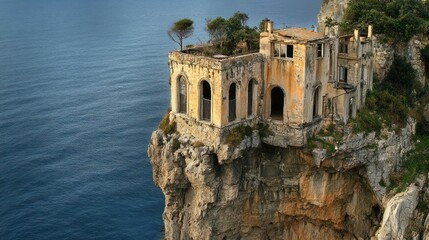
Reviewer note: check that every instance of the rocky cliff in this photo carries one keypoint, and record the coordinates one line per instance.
(266, 192)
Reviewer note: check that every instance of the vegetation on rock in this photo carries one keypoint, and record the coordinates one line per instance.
(395, 20)
(237, 134)
(167, 126)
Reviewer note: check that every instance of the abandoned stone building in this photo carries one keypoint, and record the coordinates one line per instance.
(297, 82)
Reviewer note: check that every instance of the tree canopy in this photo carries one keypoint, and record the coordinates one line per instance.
(232, 35)
(396, 20)
(180, 30)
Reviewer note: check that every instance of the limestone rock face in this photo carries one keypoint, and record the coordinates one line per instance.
(254, 191)
(398, 213)
(333, 9)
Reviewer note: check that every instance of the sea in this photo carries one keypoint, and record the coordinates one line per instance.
(83, 84)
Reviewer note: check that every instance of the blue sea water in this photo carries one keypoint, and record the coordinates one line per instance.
(83, 83)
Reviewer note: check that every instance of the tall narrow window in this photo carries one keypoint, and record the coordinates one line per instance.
(289, 51)
(320, 50)
(277, 103)
(232, 103)
(362, 74)
(343, 74)
(182, 95)
(206, 101)
(351, 107)
(344, 47)
(316, 100)
(250, 98)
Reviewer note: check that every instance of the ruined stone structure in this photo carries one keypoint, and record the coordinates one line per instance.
(299, 80)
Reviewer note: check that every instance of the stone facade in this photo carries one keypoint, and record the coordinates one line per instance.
(299, 79)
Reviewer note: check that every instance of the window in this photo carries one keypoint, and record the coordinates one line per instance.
(344, 47)
(232, 102)
(182, 95)
(289, 51)
(282, 50)
(250, 98)
(343, 74)
(320, 50)
(362, 74)
(316, 99)
(351, 107)
(206, 101)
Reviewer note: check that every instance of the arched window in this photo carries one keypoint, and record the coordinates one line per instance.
(206, 101)
(182, 98)
(277, 103)
(250, 97)
(232, 102)
(316, 101)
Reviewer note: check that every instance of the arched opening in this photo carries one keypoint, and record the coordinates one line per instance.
(206, 101)
(277, 103)
(250, 97)
(182, 98)
(232, 102)
(316, 101)
(351, 107)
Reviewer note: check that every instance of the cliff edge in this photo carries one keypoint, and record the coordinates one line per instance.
(266, 192)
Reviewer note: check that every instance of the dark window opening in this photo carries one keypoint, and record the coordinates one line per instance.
(289, 51)
(316, 102)
(232, 102)
(343, 74)
(182, 95)
(277, 103)
(250, 98)
(206, 101)
(362, 74)
(320, 50)
(351, 106)
(344, 47)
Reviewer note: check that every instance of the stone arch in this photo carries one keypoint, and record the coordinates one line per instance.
(182, 94)
(205, 101)
(277, 101)
(232, 102)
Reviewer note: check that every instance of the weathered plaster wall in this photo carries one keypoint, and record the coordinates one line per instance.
(220, 74)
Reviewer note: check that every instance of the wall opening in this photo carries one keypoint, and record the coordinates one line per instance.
(250, 97)
(206, 101)
(182, 98)
(277, 103)
(316, 102)
(351, 107)
(232, 102)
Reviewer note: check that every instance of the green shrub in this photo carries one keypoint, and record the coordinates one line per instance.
(415, 164)
(264, 130)
(237, 134)
(166, 126)
(397, 21)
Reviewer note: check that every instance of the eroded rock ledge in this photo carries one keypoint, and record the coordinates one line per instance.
(257, 191)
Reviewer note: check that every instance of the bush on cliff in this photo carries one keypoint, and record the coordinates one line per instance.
(395, 20)
(237, 134)
(167, 126)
